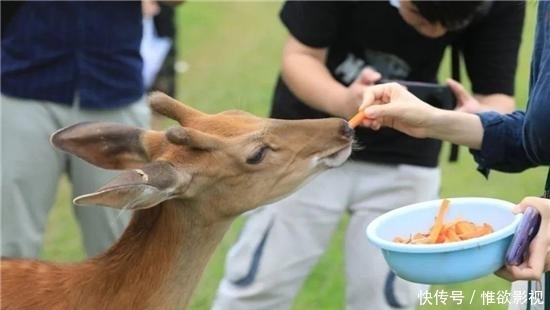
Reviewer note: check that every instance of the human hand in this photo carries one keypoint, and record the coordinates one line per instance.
(465, 102)
(149, 8)
(538, 257)
(367, 77)
(392, 105)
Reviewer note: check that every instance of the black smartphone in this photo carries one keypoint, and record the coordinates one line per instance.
(525, 232)
(435, 94)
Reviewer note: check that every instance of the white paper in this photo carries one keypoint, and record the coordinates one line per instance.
(153, 51)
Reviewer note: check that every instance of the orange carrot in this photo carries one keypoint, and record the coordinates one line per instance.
(456, 230)
(438, 225)
(477, 231)
(356, 119)
(451, 235)
(463, 227)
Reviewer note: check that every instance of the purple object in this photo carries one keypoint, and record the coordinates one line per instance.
(525, 232)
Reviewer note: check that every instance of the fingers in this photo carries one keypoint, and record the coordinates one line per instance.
(532, 268)
(458, 89)
(376, 104)
(465, 102)
(514, 273)
(541, 204)
(537, 260)
(150, 8)
(521, 272)
(379, 94)
(368, 76)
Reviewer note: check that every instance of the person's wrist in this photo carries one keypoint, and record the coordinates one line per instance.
(456, 127)
(435, 122)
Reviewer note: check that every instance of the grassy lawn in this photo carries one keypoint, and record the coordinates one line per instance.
(233, 50)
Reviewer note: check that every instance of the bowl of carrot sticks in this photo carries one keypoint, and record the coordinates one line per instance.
(446, 240)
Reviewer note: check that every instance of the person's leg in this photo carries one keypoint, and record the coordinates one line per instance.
(31, 168)
(101, 226)
(380, 188)
(279, 245)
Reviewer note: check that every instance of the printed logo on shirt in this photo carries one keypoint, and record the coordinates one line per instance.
(389, 65)
(350, 68)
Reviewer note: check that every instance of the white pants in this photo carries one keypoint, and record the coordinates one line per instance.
(280, 243)
(31, 168)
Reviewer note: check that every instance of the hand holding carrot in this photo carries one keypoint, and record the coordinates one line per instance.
(392, 105)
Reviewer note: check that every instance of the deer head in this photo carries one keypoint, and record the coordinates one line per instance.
(191, 181)
(227, 163)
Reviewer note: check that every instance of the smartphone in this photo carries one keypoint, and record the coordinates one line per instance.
(525, 232)
(435, 94)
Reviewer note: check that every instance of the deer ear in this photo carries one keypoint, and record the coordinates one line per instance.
(107, 145)
(139, 188)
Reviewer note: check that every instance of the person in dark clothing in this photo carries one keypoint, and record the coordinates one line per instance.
(63, 62)
(336, 49)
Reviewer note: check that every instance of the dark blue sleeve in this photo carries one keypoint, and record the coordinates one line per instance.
(502, 147)
(521, 140)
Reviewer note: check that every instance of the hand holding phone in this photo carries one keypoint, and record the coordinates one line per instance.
(525, 232)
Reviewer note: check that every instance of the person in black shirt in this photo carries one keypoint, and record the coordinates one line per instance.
(334, 51)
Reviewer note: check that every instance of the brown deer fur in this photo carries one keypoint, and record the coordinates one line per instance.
(185, 185)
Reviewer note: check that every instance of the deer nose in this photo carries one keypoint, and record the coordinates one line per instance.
(346, 130)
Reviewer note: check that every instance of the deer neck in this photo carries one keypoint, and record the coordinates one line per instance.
(162, 254)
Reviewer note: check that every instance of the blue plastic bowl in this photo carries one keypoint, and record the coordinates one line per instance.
(448, 262)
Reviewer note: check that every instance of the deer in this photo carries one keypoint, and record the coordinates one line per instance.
(184, 185)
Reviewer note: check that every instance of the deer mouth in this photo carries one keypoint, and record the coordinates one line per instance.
(336, 158)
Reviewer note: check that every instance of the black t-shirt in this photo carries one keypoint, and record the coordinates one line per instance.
(372, 33)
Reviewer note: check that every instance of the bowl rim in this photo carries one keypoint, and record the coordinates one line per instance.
(440, 247)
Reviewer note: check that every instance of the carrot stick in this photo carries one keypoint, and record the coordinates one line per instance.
(438, 225)
(356, 119)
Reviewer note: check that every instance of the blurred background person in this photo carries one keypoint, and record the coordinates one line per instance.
(63, 62)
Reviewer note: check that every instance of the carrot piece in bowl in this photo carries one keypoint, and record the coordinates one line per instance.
(441, 232)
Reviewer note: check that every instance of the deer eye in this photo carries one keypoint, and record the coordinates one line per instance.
(257, 156)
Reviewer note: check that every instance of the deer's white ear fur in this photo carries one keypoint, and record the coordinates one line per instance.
(130, 197)
(139, 188)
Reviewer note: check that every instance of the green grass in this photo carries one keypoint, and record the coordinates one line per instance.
(234, 51)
